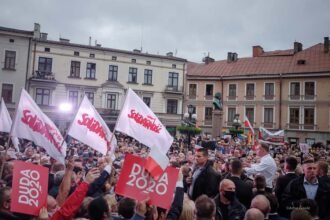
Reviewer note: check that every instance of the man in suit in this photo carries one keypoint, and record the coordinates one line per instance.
(290, 166)
(204, 179)
(243, 189)
(308, 186)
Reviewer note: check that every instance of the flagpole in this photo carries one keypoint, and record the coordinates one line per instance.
(3, 162)
(113, 132)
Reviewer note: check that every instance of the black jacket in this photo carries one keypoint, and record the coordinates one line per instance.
(236, 210)
(280, 186)
(295, 191)
(243, 190)
(206, 183)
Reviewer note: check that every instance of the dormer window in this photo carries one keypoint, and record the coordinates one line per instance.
(301, 62)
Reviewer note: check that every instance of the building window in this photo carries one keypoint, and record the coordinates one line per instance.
(172, 106)
(173, 79)
(113, 73)
(173, 66)
(231, 115)
(92, 55)
(90, 96)
(45, 65)
(76, 53)
(10, 59)
(7, 92)
(73, 98)
(249, 112)
(208, 115)
(90, 71)
(42, 96)
(147, 76)
(147, 101)
(268, 117)
(209, 90)
(232, 91)
(47, 49)
(269, 90)
(148, 62)
(132, 75)
(11, 40)
(250, 91)
(309, 90)
(309, 118)
(111, 101)
(192, 91)
(294, 118)
(114, 58)
(295, 90)
(75, 69)
(133, 60)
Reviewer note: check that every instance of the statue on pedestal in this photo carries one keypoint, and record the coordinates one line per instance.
(217, 102)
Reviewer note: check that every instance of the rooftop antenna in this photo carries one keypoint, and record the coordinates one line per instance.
(90, 41)
(141, 38)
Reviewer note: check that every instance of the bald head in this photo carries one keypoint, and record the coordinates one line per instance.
(227, 185)
(254, 214)
(261, 202)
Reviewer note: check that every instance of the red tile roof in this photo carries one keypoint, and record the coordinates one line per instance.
(274, 62)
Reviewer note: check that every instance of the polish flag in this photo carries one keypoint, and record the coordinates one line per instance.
(6, 122)
(248, 124)
(32, 124)
(89, 128)
(138, 121)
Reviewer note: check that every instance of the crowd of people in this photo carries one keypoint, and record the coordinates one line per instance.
(229, 180)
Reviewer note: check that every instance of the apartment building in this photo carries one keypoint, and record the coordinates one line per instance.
(282, 89)
(14, 58)
(61, 72)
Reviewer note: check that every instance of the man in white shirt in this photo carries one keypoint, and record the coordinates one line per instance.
(266, 167)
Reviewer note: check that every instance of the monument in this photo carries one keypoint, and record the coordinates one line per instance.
(217, 115)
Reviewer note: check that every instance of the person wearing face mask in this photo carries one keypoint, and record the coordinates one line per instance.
(227, 205)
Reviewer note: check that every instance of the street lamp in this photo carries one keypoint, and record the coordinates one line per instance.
(237, 125)
(190, 119)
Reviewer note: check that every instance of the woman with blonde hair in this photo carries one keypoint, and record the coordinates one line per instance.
(188, 209)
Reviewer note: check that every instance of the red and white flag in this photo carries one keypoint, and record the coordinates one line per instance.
(32, 124)
(248, 124)
(6, 122)
(89, 128)
(138, 121)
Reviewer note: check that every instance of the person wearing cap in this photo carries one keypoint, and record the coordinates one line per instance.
(308, 186)
(267, 166)
(204, 179)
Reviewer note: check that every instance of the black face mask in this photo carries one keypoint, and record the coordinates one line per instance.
(230, 195)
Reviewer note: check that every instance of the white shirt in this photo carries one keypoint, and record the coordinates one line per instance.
(266, 167)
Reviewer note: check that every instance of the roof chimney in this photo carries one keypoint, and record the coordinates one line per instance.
(63, 40)
(257, 51)
(169, 54)
(297, 47)
(208, 60)
(36, 31)
(326, 44)
(229, 57)
(43, 36)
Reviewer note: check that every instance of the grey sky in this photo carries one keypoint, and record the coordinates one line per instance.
(190, 27)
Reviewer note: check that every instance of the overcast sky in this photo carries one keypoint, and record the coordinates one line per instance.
(189, 28)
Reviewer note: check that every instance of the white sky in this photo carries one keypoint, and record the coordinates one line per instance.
(191, 28)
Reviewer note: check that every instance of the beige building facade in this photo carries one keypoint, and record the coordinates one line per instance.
(277, 90)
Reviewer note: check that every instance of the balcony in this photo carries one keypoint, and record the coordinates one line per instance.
(268, 124)
(250, 97)
(208, 122)
(43, 75)
(309, 97)
(302, 126)
(269, 97)
(192, 96)
(294, 97)
(232, 98)
(293, 126)
(173, 89)
(208, 97)
(309, 127)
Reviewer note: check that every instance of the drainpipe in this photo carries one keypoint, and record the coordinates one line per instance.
(34, 56)
(280, 110)
(183, 90)
(27, 83)
(221, 89)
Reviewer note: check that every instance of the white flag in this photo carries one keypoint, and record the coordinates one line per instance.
(139, 122)
(32, 124)
(89, 128)
(6, 122)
